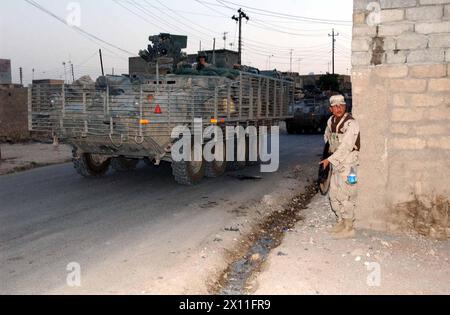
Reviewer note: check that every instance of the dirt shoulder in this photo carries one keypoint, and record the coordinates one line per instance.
(21, 157)
(309, 261)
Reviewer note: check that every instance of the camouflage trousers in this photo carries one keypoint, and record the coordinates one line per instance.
(343, 195)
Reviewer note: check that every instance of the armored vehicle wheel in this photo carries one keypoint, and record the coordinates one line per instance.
(188, 173)
(238, 165)
(90, 165)
(123, 164)
(216, 168)
(258, 159)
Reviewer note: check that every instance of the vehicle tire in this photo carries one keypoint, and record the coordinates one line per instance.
(216, 168)
(236, 165)
(258, 161)
(90, 165)
(123, 164)
(188, 173)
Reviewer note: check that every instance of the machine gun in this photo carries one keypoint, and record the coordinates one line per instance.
(324, 179)
(165, 49)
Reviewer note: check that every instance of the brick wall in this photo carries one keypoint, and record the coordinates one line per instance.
(14, 114)
(401, 89)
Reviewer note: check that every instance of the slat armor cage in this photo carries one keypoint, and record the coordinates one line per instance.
(137, 119)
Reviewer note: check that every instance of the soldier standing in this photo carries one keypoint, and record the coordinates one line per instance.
(343, 136)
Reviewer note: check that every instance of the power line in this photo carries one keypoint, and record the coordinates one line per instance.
(136, 14)
(207, 5)
(289, 15)
(303, 51)
(273, 24)
(190, 21)
(268, 26)
(258, 25)
(88, 59)
(181, 29)
(265, 21)
(177, 20)
(153, 17)
(76, 28)
(285, 48)
(284, 54)
(150, 14)
(198, 13)
(277, 14)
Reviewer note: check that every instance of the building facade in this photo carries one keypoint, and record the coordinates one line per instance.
(401, 97)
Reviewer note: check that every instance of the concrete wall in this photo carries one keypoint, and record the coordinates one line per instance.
(401, 95)
(14, 114)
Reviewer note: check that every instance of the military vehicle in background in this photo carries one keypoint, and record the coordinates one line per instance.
(117, 121)
(310, 115)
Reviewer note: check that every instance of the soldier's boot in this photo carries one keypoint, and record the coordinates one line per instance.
(337, 227)
(347, 232)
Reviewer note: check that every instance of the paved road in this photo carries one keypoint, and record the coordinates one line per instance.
(130, 232)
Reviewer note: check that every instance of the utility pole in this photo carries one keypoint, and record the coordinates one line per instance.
(65, 73)
(292, 51)
(73, 72)
(214, 52)
(225, 40)
(333, 36)
(21, 75)
(101, 62)
(241, 15)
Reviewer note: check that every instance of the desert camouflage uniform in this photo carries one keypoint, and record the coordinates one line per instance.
(344, 138)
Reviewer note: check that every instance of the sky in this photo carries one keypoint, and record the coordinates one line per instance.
(33, 39)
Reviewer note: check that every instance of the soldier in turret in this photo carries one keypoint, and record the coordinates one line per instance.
(202, 62)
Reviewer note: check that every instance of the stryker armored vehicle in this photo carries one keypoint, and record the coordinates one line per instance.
(117, 121)
(310, 116)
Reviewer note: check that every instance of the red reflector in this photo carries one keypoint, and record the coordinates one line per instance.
(158, 110)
